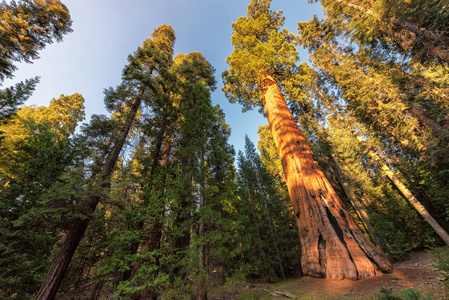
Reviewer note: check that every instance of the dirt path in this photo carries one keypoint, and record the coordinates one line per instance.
(416, 272)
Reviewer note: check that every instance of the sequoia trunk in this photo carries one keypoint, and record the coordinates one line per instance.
(333, 245)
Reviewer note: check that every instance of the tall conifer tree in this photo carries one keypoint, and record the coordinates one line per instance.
(388, 109)
(155, 52)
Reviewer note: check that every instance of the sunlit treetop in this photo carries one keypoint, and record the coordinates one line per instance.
(194, 67)
(144, 70)
(63, 115)
(156, 50)
(416, 29)
(26, 27)
(261, 47)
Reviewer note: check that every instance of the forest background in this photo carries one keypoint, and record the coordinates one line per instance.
(152, 200)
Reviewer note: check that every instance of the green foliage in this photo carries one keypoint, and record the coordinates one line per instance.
(441, 260)
(407, 294)
(175, 197)
(398, 241)
(399, 101)
(11, 98)
(270, 243)
(269, 153)
(398, 225)
(149, 221)
(261, 48)
(387, 294)
(412, 29)
(32, 212)
(201, 183)
(411, 294)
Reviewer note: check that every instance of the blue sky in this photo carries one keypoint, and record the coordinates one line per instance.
(105, 32)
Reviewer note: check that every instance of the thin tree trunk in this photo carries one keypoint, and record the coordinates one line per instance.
(200, 288)
(428, 122)
(333, 245)
(408, 194)
(358, 206)
(95, 292)
(74, 235)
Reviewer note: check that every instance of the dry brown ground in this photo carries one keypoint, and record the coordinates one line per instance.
(416, 272)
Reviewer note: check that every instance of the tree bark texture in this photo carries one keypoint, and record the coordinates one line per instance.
(333, 246)
(73, 236)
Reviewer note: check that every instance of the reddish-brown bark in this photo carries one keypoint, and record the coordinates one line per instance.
(333, 246)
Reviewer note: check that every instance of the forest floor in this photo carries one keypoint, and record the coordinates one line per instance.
(416, 272)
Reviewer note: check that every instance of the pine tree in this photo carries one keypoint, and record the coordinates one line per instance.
(191, 147)
(11, 98)
(155, 52)
(397, 223)
(269, 153)
(396, 100)
(270, 241)
(264, 57)
(397, 182)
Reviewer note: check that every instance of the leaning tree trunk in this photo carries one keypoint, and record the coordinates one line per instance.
(333, 246)
(73, 236)
(395, 180)
(356, 203)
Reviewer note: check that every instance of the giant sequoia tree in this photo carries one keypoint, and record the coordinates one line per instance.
(396, 110)
(263, 62)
